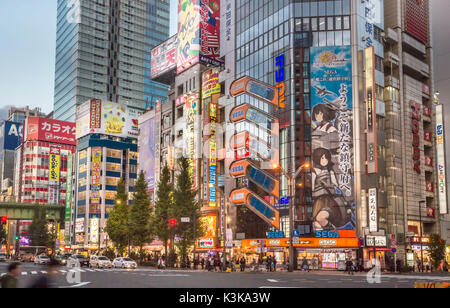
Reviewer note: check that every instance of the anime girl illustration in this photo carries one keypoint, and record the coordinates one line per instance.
(329, 210)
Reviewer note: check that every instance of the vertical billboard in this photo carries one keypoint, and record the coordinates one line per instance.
(67, 216)
(188, 43)
(164, 57)
(147, 151)
(372, 159)
(192, 111)
(54, 165)
(96, 180)
(332, 138)
(210, 32)
(440, 138)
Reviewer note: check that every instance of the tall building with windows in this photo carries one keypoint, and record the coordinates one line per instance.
(358, 85)
(103, 51)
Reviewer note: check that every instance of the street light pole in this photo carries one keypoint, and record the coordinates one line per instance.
(223, 221)
(291, 192)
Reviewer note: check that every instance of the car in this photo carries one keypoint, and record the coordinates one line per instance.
(82, 260)
(124, 263)
(3, 257)
(42, 259)
(100, 262)
(27, 257)
(62, 259)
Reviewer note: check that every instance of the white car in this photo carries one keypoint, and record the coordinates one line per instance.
(124, 263)
(41, 260)
(100, 262)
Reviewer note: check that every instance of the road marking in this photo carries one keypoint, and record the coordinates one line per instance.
(34, 273)
(63, 271)
(44, 272)
(24, 273)
(76, 285)
(272, 280)
(2, 274)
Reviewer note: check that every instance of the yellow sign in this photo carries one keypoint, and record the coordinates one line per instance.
(53, 170)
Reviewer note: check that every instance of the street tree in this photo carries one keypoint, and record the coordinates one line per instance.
(3, 236)
(163, 208)
(436, 249)
(117, 225)
(186, 205)
(42, 233)
(140, 216)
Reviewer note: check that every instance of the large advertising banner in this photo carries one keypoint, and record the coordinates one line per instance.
(164, 57)
(54, 164)
(10, 135)
(191, 143)
(49, 130)
(188, 43)
(107, 118)
(332, 138)
(96, 178)
(147, 151)
(67, 216)
(210, 31)
(440, 136)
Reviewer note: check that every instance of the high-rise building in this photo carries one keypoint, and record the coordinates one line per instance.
(103, 52)
(20, 114)
(357, 82)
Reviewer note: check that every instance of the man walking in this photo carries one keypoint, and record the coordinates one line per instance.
(9, 280)
(242, 263)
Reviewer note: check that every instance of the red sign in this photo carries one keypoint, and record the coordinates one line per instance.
(164, 57)
(96, 114)
(180, 101)
(429, 161)
(415, 126)
(430, 212)
(417, 19)
(49, 130)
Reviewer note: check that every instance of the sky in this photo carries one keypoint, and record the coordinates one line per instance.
(27, 52)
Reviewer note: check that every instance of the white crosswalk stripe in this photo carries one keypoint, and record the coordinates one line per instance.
(24, 273)
(33, 273)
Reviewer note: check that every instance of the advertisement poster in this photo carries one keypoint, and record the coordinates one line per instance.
(190, 152)
(210, 32)
(67, 215)
(50, 130)
(332, 138)
(211, 83)
(188, 43)
(147, 151)
(54, 164)
(164, 57)
(440, 143)
(96, 177)
(94, 230)
(107, 118)
(10, 135)
(372, 157)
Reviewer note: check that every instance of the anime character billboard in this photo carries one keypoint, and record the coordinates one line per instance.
(332, 138)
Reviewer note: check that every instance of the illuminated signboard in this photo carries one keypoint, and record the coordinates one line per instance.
(280, 78)
(256, 89)
(257, 205)
(415, 124)
(54, 164)
(373, 210)
(441, 163)
(164, 57)
(332, 136)
(96, 175)
(372, 160)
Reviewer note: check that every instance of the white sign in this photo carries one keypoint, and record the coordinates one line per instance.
(440, 141)
(79, 225)
(185, 219)
(380, 241)
(373, 210)
(93, 234)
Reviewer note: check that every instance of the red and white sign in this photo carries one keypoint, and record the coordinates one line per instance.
(417, 19)
(164, 57)
(180, 101)
(431, 212)
(50, 130)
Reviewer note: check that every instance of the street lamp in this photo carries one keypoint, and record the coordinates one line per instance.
(291, 192)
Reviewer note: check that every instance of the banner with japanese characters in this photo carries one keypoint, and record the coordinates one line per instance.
(332, 138)
(49, 130)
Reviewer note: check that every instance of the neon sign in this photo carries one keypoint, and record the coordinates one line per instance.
(280, 78)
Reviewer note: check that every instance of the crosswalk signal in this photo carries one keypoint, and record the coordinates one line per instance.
(17, 238)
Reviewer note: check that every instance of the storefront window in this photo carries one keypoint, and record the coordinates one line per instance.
(112, 181)
(82, 154)
(113, 167)
(114, 153)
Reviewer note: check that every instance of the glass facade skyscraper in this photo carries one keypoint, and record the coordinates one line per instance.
(103, 51)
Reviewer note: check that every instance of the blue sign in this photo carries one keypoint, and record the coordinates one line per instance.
(327, 234)
(284, 201)
(296, 233)
(11, 135)
(277, 234)
(394, 250)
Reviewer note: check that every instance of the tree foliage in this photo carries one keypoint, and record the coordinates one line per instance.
(436, 250)
(186, 205)
(163, 208)
(117, 225)
(42, 233)
(140, 215)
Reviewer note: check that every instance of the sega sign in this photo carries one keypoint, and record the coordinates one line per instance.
(275, 235)
(11, 135)
(327, 234)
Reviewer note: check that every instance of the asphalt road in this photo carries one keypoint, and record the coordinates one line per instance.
(64, 277)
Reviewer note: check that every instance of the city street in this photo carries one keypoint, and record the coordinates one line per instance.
(152, 278)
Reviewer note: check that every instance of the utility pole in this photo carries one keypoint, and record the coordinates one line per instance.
(421, 235)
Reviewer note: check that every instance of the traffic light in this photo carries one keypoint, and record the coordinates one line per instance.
(17, 238)
(4, 220)
(172, 222)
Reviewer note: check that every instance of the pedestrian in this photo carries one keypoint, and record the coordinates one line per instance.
(349, 266)
(46, 281)
(399, 265)
(202, 262)
(242, 263)
(9, 280)
(305, 266)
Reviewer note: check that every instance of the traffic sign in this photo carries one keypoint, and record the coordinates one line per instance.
(393, 243)
(296, 233)
(185, 219)
(394, 250)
